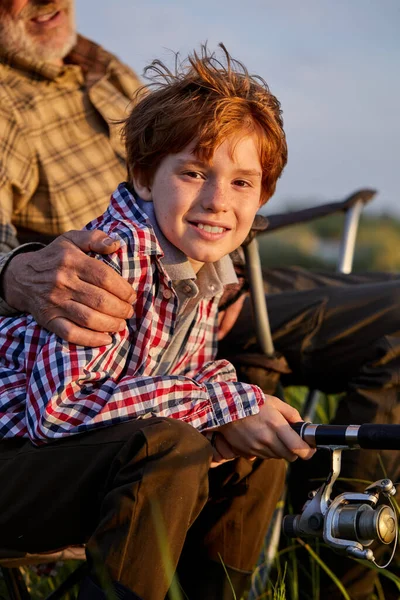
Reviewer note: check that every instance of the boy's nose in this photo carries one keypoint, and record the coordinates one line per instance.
(215, 199)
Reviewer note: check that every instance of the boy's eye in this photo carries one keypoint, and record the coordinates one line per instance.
(241, 183)
(194, 174)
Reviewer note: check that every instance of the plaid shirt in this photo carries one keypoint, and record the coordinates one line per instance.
(61, 152)
(50, 388)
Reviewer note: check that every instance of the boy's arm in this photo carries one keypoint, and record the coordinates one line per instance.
(72, 389)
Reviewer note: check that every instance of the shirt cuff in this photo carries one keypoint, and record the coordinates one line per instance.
(5, 309)
(233, 401)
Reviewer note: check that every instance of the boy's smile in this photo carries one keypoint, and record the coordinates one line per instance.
(206, 210)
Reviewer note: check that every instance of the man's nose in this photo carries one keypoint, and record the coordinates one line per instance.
(215, 198)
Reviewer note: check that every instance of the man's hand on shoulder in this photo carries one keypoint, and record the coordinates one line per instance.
(69, 293)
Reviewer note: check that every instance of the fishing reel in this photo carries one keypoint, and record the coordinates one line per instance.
(350, 522)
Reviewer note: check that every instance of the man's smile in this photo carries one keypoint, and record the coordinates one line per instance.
(44, 18)
(50, 18)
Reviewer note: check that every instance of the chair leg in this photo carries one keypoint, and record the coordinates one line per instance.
(72, 579)
(15, 584)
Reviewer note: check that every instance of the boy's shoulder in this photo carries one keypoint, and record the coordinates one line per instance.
(125, 220)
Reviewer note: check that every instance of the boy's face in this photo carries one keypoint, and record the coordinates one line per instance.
(207, 210)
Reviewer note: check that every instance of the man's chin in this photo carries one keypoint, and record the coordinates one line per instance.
(48, 52)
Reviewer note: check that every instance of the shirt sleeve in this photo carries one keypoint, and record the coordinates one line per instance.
(18, 178)
(74, 389)
(12, 377)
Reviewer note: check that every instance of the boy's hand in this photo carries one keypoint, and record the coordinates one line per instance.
(268, 434)
(222, 451)
(69, 293)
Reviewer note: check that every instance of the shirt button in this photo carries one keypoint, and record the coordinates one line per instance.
(211, 287)
(167, 294)
(152, 352)
(187, 289)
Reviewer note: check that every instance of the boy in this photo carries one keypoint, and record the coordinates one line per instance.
(204, 150)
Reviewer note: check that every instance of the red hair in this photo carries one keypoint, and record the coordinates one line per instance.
(205, 100)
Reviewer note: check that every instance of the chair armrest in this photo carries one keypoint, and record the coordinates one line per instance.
(12, 559)
(309, 214)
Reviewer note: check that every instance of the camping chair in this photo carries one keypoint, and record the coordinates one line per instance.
(352, 207)
(10, 563)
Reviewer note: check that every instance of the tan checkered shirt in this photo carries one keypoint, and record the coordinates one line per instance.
(61, 155)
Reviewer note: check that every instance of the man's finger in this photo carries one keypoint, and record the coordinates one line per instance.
(68, 331)
(92, 241)
(97, 299)
(86, 317)
(97, 272)
(105, 279)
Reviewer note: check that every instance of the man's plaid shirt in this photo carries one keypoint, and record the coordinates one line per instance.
(61, 152)
(50, 388)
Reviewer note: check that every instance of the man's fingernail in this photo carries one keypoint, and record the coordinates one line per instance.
(109, 241)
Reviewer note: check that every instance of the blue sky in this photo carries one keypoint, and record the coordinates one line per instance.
(334, 65)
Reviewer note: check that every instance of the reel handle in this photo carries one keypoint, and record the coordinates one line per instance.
(369, 436)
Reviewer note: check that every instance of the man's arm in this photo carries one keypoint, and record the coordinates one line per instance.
(66, 291)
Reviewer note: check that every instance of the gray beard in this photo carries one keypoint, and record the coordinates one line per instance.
(15, 40)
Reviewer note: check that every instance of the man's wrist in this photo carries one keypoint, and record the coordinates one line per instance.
(5, 309)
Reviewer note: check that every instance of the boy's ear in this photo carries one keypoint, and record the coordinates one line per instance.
(143, 191)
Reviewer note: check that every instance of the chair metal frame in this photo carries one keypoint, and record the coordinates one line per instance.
(352, 208)
(14, 580)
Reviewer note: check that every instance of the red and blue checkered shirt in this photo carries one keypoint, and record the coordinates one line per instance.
(50, 388)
